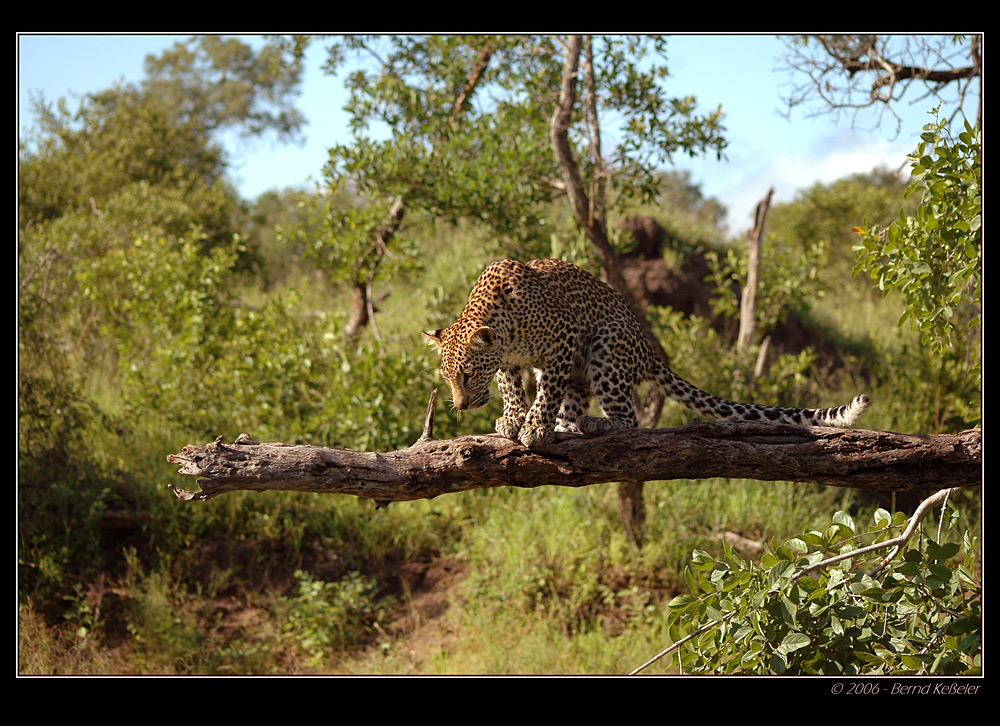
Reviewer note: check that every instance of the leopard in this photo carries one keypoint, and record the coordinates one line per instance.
(581, 340)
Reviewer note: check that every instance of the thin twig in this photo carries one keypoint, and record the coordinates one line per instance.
(670, 649)
(898, 542)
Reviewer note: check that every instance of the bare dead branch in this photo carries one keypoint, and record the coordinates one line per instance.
(855, 72)
(429, 468)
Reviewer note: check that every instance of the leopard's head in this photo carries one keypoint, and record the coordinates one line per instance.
(470, 358)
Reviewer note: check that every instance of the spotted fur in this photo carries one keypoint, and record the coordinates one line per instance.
(581, 339)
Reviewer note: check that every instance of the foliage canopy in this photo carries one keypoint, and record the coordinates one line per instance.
(933, 256)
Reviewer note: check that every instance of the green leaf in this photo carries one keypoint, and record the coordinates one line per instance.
(794, 641)
(845, 520)
(702, 560)
(682, 601)
(783, 569)
(691, 581)
(797, 544)
(942, 552)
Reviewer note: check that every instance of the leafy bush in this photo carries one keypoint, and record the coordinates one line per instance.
(918, 615)
(328, 617)
(790, 280)
(933, 257)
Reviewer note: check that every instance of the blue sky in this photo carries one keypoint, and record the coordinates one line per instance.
(738, 71)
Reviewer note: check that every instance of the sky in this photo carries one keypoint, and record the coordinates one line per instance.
(740, 72)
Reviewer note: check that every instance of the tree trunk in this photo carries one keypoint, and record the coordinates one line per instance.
(748, 304)
(357, 319)
(590, 213)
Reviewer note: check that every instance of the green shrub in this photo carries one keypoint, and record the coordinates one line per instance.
(329, 617)
(920, 614)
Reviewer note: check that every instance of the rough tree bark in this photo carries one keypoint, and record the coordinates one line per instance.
(876, 460)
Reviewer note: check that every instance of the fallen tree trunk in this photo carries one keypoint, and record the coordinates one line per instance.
(856, 458)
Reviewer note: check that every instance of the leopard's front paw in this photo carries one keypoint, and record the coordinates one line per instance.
(564, 426)
(534, 434)
(508, 426)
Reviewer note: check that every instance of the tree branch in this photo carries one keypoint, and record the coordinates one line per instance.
(429, 468)
(362, 309)
(478, 69)
(860, 71)
(591, 214)
(896, 542)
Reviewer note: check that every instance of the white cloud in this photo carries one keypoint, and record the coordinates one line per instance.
(832, 158)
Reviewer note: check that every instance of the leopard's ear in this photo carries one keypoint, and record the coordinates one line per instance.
(482, 339)
(433, 337)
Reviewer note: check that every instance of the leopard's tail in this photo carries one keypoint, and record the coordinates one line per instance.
(705, 403)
